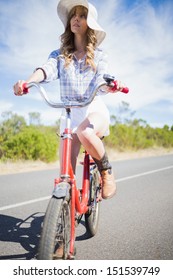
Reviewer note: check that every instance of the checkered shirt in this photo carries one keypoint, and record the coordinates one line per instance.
(78, 80)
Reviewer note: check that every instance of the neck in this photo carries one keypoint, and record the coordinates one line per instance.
(80, 44)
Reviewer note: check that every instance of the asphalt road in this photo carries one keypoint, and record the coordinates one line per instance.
(136, 224)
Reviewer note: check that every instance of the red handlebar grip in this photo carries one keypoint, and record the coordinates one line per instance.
(125, 90)
(25, 88)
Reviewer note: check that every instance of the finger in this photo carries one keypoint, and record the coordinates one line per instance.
(120, 86)
(17, 89)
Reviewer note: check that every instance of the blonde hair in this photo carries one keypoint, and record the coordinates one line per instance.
(67, 41)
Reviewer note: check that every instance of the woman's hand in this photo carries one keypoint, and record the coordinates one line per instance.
(36, 77)
(116, 86)
(18, 88)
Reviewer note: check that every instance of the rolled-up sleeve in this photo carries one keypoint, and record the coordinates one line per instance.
(50, 68)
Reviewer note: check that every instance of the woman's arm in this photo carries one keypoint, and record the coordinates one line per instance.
(37, 77)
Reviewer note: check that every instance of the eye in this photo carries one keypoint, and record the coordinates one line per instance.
(83, 16)
(73, 15)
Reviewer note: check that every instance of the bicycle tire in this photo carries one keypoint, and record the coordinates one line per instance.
(56, 230)
(92, 216)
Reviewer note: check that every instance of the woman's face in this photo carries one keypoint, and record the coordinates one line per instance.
(78, 22)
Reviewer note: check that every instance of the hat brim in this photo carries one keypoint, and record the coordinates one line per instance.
(65, 6)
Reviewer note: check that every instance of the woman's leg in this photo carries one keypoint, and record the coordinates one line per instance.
(89, 133)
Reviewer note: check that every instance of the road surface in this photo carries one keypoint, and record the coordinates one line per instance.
(135, 224)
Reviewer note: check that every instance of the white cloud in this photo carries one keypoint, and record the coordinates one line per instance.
(5, 106)
(31, 30)
(140, 47)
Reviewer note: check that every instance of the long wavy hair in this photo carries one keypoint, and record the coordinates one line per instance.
(67, 40)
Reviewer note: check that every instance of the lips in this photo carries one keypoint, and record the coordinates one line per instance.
(76, 25)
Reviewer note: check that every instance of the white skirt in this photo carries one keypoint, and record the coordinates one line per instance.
(78, 115)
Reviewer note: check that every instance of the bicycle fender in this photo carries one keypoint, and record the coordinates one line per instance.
(61, 190)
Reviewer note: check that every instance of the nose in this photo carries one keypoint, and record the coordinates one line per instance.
(76, 17)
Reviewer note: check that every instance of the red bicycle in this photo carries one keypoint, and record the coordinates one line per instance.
(68, 203)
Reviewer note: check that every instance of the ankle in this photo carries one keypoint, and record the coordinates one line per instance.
(103, 163)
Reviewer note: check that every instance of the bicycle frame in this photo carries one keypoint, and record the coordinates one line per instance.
(79, 199)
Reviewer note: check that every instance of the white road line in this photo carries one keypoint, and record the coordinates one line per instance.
(118, 180)
(24, 203)
(144, 174)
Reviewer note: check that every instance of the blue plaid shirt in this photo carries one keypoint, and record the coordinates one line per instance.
(78, 79)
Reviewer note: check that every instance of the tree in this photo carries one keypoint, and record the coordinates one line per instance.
(166, 127)
(11, 124)
(124, 114)
(34, 118)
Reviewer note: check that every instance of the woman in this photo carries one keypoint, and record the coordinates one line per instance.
(80, 64)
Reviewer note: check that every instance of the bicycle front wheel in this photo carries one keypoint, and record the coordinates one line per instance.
(55, 236)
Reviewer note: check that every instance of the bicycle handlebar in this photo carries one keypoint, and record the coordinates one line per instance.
(77, 103)
(64, 104)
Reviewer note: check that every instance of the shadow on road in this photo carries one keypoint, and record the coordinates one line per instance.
(24, 232)
(84, 235)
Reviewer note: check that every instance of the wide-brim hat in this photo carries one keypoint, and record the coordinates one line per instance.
(65, 6)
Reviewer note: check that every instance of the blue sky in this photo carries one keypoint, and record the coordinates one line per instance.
(139, 44)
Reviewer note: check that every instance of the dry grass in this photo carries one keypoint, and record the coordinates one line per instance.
(26, 166)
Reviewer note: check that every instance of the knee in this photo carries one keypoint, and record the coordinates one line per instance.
(84, 134)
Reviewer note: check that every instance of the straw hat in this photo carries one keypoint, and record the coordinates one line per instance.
(65, 6)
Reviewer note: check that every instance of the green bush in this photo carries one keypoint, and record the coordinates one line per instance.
(124, 137)
(31, 144)
(35, 142)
